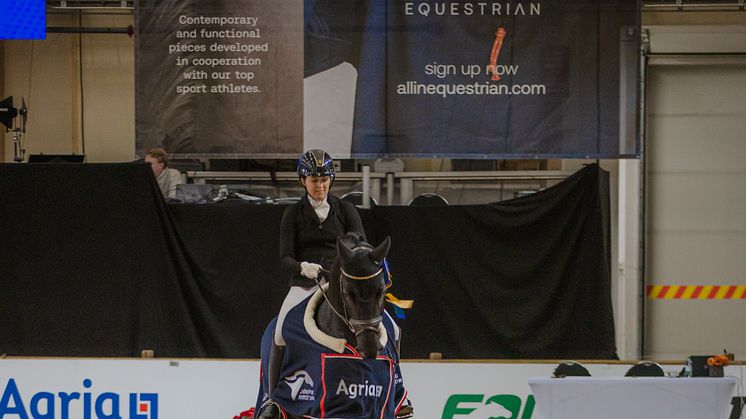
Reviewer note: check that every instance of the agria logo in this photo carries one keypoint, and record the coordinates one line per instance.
(501, 406)
(63, 405)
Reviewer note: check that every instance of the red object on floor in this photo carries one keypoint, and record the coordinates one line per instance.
(247, 414)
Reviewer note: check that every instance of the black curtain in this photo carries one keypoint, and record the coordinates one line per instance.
(93, 266)
(95, 263)
(525, 278)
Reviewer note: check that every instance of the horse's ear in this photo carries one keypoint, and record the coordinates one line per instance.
(382, 250)
(342, 249)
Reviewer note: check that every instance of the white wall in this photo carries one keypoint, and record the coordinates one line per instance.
(668, 332)
(48, 75)
(696, 171)
(697, 194)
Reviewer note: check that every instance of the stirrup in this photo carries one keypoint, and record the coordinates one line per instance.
(405, 412)
(270, 410)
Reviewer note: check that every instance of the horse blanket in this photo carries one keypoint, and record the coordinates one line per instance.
(325, 377)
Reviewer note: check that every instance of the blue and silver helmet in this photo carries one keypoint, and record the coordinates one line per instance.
(316, 163)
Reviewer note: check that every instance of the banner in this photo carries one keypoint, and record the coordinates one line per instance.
(219, 77)
(499, 78)
(408, 78)
(125, 388)
(25, 19)
(166, 388)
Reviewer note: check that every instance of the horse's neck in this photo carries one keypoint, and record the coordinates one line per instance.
(329, 323)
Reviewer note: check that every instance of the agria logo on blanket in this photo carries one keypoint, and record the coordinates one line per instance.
(16, 403)
(355, 390)
(301, 386)
(501, 406)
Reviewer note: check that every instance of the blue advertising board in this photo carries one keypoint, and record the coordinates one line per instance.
(23, 19)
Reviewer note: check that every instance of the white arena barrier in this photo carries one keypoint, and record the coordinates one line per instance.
(64, 388)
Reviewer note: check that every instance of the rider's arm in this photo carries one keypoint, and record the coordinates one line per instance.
(288, 264)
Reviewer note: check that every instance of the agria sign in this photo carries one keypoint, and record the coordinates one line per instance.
(85, 404)
(475, 406)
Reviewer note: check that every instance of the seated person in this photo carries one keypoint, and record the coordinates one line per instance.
(167, 177)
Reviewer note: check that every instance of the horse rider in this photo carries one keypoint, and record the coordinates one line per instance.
(308, 237)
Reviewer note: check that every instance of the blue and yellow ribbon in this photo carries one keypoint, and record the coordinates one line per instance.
(399, 305)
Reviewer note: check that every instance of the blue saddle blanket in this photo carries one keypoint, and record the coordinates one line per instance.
(324, 377)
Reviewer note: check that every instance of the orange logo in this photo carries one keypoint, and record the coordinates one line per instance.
(496, 46)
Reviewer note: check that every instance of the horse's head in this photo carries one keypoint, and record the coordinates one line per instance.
(362, 287)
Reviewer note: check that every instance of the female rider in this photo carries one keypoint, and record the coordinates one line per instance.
(308, 238)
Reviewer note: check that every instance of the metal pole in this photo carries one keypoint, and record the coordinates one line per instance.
(642, 231)
(366, 186)
(57, 29)
(406, 191)
(389, 189)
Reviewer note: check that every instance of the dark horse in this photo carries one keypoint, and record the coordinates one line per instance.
(341, 357)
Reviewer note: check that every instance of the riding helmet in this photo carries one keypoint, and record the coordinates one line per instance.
(316, 163)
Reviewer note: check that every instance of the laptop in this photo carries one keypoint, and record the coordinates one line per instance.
(195, 193)
(699, 365)
(56, 158)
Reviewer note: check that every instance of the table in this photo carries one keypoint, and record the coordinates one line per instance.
(633, 397)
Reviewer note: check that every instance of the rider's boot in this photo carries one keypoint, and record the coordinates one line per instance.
(276, 354)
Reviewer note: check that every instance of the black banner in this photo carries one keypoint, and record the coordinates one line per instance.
(219, 77)
(498, 78)
(446, 78)
(96, 264)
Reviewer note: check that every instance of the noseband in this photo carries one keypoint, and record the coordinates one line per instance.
(358, 326)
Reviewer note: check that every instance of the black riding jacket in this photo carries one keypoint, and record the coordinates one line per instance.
(304, 239)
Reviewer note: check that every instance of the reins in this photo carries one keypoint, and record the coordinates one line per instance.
(323, 292)
(356, 326)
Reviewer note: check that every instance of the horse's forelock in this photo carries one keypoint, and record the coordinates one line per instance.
(353, 240)
(359, 263)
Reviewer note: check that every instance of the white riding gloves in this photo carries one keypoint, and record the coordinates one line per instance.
(310, 270)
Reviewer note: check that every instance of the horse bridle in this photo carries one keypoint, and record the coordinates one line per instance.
(356, 326)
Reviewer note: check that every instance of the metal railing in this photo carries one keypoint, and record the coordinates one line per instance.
(89, 4)
(491, 185)
(692, 5)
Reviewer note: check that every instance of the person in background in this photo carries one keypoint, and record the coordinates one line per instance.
(308, 244)
(167, 177)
